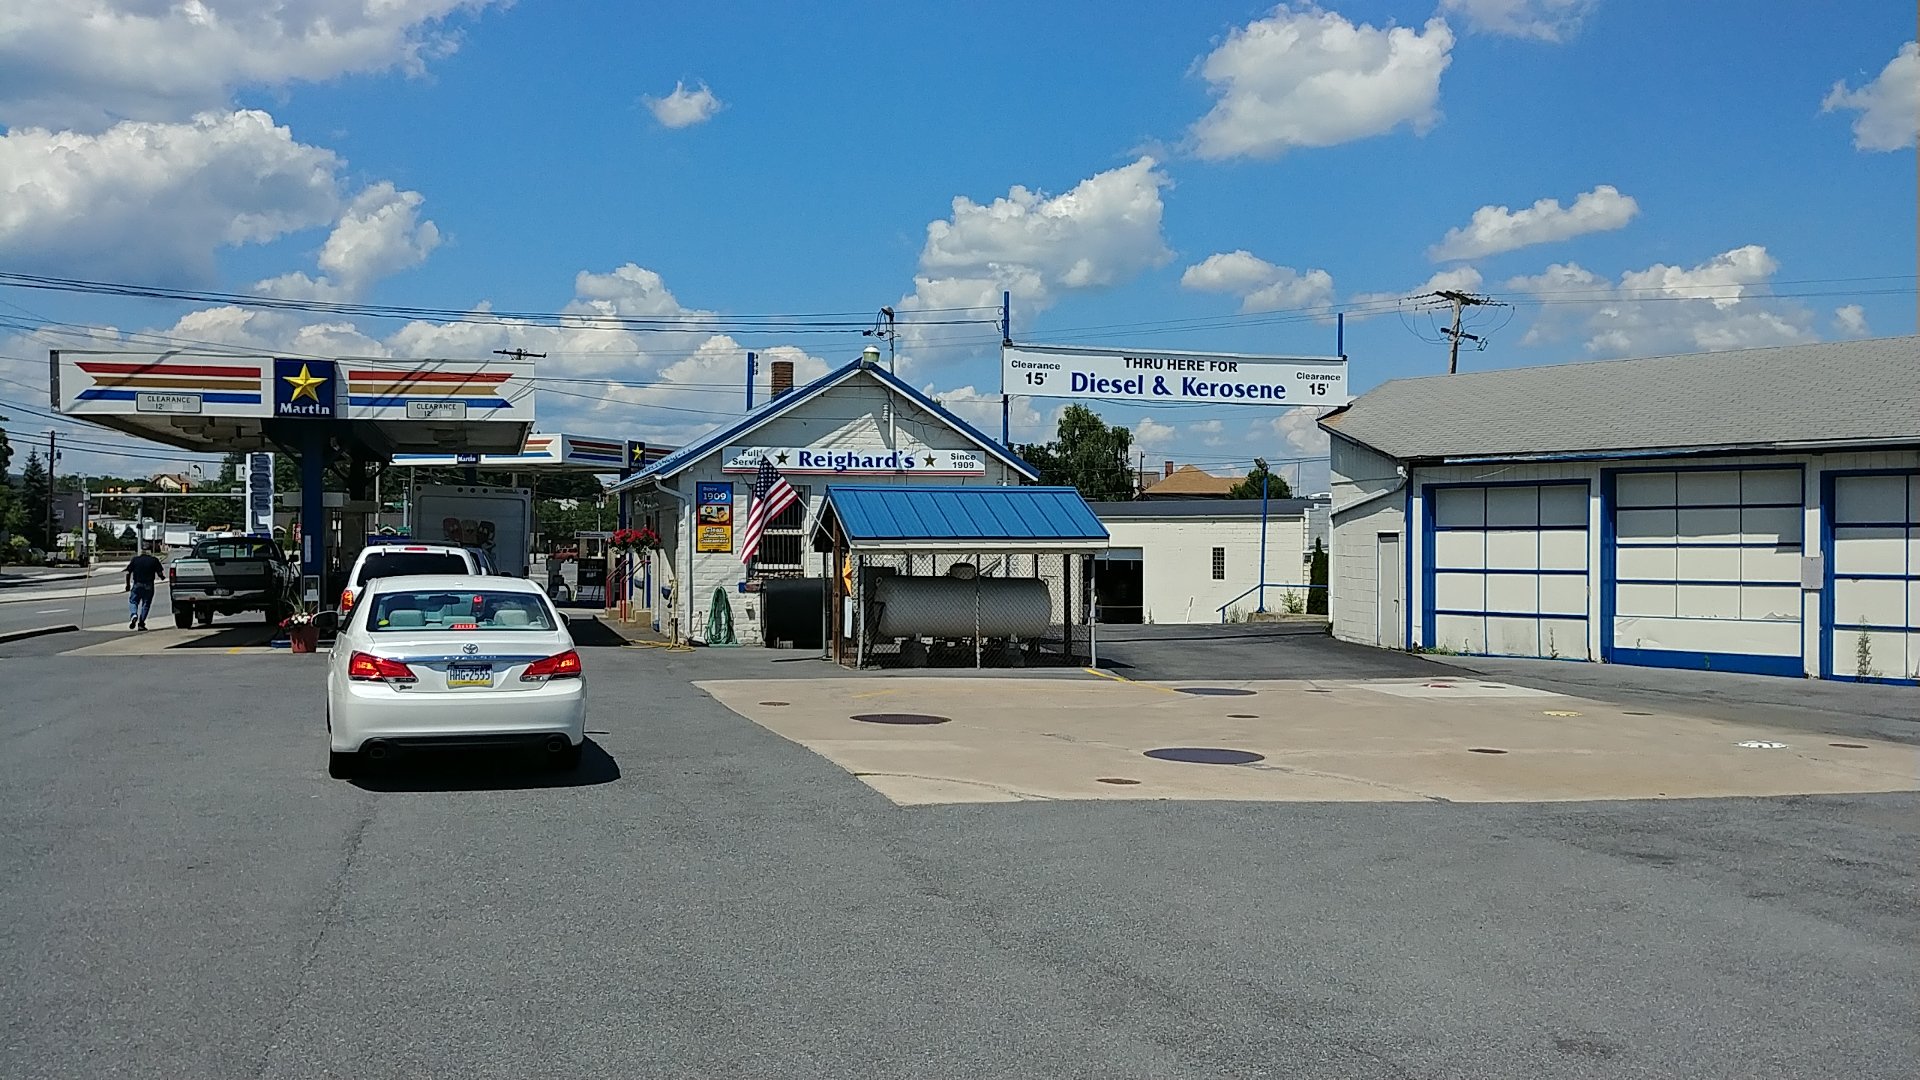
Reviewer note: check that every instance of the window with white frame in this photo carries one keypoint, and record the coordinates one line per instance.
(783, 544)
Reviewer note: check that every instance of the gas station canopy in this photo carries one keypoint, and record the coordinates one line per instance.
(555, 452)
(371, 408)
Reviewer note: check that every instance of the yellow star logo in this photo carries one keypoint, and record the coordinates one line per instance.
(305, 385)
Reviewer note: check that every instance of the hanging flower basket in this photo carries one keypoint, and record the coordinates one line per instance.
(640, 539)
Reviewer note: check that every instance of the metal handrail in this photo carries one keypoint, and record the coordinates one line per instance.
(1256, 587)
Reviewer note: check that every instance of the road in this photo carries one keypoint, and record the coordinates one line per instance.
(34, 598)
(188, 895)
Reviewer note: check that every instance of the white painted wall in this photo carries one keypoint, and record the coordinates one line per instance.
(1358, 472)
(1177, 583)
(851, 416)
(1352, 557)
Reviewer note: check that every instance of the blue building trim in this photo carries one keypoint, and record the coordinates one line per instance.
(1744, 663)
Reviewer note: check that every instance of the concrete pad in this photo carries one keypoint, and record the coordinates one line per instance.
(1333, 741)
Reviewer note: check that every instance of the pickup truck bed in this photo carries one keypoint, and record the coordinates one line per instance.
(221, 577)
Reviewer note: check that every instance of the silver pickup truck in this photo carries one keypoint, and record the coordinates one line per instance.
(224, 575)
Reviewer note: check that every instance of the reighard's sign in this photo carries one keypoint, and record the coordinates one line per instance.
(1160, 376)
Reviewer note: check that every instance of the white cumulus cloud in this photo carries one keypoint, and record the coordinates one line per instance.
(154, 201)
(684, 107)
(1541, 20)
(1722, 303)
(379, 235)
(1261, 285)
(1104, 231)
(1851, 321)
(1888, 107)
(1495, 229)
(89, 63)
(1304, 77)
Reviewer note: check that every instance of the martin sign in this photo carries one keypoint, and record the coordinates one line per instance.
(846, 461)
(1139, 375)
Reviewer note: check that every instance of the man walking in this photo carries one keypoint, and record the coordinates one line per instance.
(142, 572)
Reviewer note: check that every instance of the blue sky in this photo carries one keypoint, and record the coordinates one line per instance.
(1203, 176)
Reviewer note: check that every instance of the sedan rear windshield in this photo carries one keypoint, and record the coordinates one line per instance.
(403, 563)
(478, 609)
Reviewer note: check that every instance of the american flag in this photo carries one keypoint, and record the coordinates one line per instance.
(771, 495)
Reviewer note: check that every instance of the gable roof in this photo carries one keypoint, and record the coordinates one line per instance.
(1830, 393)
(986, 518)
(772, 410)
(1189, 480)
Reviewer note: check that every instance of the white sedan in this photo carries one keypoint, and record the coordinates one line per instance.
(442, 660)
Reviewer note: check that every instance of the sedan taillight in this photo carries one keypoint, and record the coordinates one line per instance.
(367, 667)
(564, 665)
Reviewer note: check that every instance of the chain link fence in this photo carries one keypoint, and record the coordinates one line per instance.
(958, 609)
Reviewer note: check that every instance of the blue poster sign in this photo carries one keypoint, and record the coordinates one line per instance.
(305, 388)
(713, 494)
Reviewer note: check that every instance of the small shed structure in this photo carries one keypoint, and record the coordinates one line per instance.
(958, 576)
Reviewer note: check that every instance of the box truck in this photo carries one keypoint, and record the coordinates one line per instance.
(498, 521)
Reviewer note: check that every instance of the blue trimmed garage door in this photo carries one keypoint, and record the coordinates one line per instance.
(1706, 570)
(1873, 620)
(1507, 569)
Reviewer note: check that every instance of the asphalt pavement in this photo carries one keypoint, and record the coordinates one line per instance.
(187, 894)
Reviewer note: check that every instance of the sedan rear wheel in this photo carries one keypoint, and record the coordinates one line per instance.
(183, 616)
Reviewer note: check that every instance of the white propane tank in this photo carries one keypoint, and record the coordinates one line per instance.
(943, 607)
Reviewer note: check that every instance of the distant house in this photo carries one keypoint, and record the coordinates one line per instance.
(171, 482)
(1188, 482)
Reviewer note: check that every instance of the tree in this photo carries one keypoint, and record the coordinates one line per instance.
(1086, 454)
(34, 489)
(1277, 487)
(1317, 576)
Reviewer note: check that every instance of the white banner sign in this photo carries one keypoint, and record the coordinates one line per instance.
(854, 462)
(1143, 375)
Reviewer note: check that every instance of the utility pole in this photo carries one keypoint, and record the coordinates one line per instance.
(53, 455)
(521, 354)
(1460, 302)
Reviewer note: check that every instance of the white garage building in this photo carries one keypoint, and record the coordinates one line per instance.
(1753, 511)
(1198, 560)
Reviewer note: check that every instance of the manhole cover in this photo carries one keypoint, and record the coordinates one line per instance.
(1245, 716)
(1631, 713)
(1439, 686)
(1483, 750)
(1560, 712)
(1116, 780)
(900, 718)
(1761, 744)
(773, 703)
(1849, 745)
(1206, 755)
(1214, 691)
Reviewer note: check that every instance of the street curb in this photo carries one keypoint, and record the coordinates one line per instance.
(38, 631)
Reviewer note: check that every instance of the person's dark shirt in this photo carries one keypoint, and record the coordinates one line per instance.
(144, 569)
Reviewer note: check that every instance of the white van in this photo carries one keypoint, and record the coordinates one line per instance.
(407, 560)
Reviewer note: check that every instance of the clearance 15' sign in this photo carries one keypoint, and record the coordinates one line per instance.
(1141, 375)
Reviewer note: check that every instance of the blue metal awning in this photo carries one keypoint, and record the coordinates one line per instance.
(881, 516)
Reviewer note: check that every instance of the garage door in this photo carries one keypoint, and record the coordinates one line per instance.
(1706, 570)
(1873, 554)
(1507, 569)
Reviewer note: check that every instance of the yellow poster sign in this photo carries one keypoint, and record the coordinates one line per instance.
(713, 538)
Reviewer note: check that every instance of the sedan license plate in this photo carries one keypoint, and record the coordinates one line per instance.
(469, 674)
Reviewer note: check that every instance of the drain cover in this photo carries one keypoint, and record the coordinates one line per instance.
(1116, 780)
(1206, 755)
(1483, 750)
(901, 718)
(1560, 712)
(1631, 713)
(1214, 691)
(773, 703)
(1849, 745)
(1761, 744)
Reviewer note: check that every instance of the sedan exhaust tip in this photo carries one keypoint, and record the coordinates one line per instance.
(558, 744)
(377, 751)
